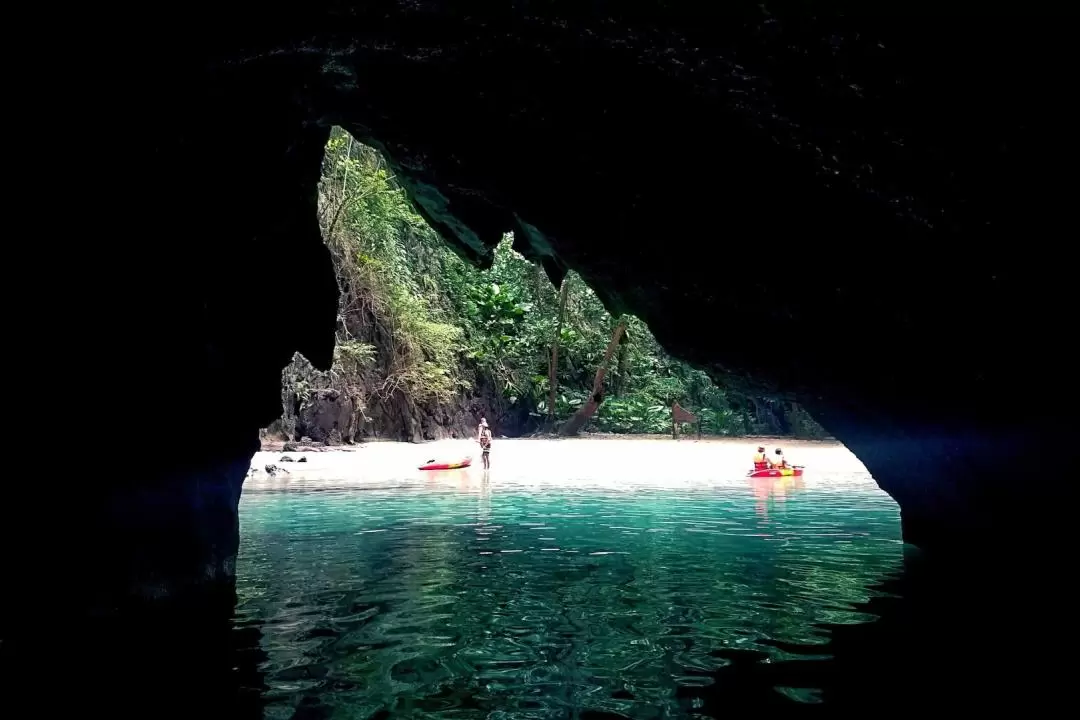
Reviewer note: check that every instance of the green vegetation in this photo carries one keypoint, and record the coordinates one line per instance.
(422, 330)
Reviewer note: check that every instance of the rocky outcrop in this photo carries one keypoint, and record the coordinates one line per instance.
(316, 405)
(327, 416)
(871, 191)
(335, 407)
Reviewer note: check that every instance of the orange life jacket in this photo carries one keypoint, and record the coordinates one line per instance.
(760, 463)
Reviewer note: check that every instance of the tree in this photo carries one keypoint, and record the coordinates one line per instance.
(553, 378)
(588, 409)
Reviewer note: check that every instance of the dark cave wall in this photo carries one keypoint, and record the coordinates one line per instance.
(874, 191)
(198, 269)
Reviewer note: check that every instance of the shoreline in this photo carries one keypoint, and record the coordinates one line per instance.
(615, 462)
(268, 445)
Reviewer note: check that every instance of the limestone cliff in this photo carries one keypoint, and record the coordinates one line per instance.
(333, 407)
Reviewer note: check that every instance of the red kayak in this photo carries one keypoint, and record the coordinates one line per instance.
(432, 465)
(795, 471)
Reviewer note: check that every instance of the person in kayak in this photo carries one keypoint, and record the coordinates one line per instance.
(778, 459)
(485, 444)
(761, 461)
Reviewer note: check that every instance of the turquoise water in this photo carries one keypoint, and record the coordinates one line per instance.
(459, 599)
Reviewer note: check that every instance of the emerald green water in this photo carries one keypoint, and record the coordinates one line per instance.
(470, 598)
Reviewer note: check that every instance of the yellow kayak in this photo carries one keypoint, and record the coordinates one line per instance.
(777, 472)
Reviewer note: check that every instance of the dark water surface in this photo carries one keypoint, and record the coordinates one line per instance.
(470, 598)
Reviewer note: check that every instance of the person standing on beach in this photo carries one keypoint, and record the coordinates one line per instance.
(485, 444)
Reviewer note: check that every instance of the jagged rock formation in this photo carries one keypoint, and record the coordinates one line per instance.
(314, 406)
(320, 405)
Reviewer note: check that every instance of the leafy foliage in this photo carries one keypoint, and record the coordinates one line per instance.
(416, 319)
(386, 257)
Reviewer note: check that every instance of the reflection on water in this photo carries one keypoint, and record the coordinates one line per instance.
(464, 594)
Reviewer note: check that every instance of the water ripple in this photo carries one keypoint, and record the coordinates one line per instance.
(528, 602)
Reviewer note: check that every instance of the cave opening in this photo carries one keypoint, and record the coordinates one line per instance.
(515, 563)
(428, 336)
(871, 157)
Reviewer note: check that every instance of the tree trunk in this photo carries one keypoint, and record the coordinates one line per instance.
(574, 424)
(620, 367)
(553, 364)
